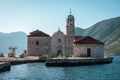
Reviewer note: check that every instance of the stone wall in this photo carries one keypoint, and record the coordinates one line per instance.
(4, 66)
(68, 46)
(38, 45)
(77, 62)
(97, 51)
(57, 42)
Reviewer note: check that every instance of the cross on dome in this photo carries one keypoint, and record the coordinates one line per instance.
(58, 28)
(70, 11)
(70, 16)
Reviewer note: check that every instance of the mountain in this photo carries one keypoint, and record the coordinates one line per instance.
(15, 39)
(107, 31)
(79, 31)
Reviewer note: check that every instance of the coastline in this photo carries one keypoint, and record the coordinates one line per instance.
(77, 72)
(7, 62)
(77, 62)
(5, 66)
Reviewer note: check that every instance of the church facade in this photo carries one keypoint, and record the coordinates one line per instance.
(68, 44)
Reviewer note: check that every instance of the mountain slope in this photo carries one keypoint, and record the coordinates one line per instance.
(104, 28)
(114, 47)
(79, 31)
(107, 31)
(15, 39)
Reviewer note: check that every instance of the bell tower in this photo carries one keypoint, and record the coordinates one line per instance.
(70, 25)
(70, 33)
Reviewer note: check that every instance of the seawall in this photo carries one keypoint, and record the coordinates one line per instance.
(77, 62)
(16, 62)
(4, 66)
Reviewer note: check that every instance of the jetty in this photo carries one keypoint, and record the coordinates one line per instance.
(77, 62)
(7, 62)
(4, 66)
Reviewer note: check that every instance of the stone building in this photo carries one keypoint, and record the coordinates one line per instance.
(57, 42)
(70, 34)
(86, 46)
(64, 43)
(38, 43)
(68, 44)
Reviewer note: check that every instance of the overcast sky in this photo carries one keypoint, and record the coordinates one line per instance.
(48, 15)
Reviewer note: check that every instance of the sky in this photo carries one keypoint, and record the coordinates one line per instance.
(48, 15)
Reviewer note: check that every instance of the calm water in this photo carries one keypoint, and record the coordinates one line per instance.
(38, 71)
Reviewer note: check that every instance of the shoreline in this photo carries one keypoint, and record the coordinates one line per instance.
(5, 66)
(7, 63)
(77, 62)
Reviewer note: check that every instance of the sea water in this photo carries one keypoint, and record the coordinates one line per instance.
(38, 71)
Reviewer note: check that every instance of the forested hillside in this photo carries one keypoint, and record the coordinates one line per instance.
(107, 31)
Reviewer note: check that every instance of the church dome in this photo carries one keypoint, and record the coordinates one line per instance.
(70, 16)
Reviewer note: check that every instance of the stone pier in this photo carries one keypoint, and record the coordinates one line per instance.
(4, 66)
(77, 62)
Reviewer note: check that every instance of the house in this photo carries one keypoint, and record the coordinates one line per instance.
(86, 46)
(38, 43)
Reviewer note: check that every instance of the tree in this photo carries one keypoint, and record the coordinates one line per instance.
(23, 54)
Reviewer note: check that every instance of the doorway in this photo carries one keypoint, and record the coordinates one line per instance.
(59, 51)
(88, 52)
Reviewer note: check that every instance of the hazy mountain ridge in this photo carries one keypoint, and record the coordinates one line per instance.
(15, 39)
(107, 31)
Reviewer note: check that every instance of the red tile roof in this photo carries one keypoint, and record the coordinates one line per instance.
(86, 40)
(38, 33)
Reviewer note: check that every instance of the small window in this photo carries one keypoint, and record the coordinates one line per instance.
(37, 43)
(59, 40)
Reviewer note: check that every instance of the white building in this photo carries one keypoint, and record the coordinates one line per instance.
(68, 44)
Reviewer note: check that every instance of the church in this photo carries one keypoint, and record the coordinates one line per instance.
(40, 43)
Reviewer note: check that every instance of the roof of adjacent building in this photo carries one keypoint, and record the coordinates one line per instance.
(86, 40)
(38, 33)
